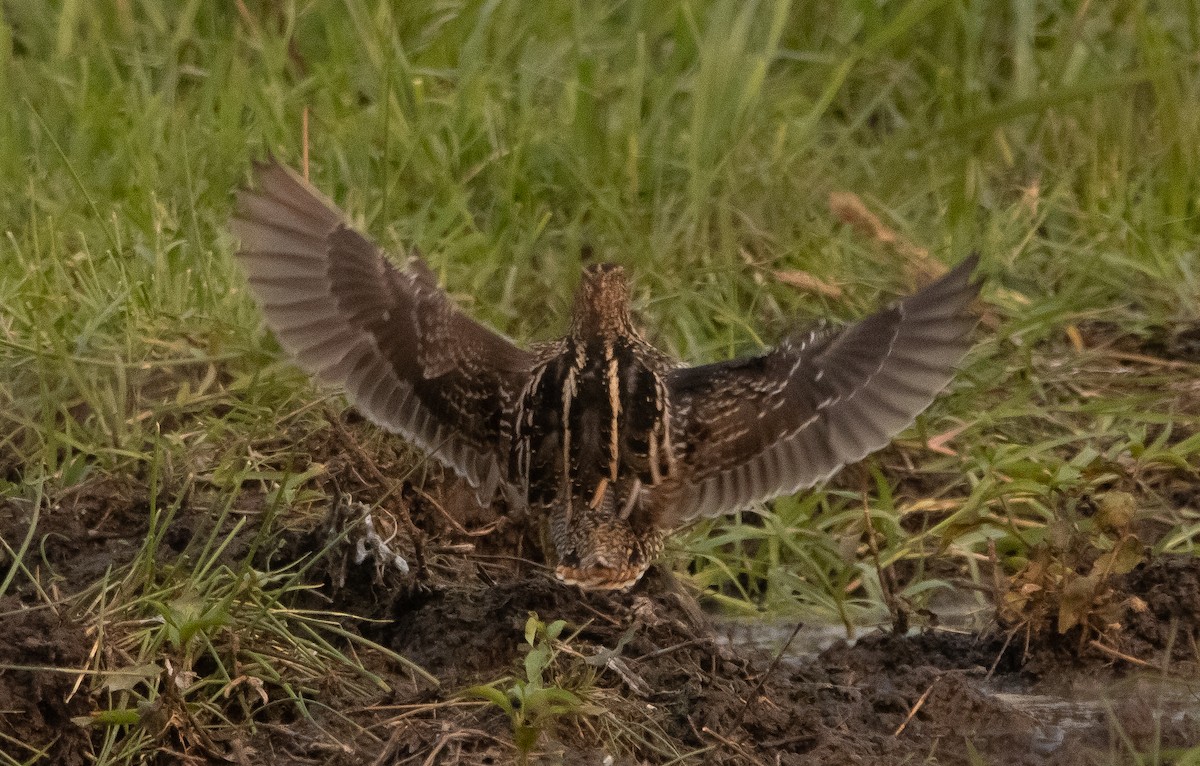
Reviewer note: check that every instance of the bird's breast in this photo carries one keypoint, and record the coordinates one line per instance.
(593, 416)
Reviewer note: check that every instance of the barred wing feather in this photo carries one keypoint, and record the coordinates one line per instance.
(407, 357)
(751, 429)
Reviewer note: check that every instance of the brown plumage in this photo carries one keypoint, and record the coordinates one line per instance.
(607, 440)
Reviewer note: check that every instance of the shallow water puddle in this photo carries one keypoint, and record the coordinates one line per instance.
(957, 612)
(1093, 706)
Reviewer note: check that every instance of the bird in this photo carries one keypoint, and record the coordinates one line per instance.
(607, 442)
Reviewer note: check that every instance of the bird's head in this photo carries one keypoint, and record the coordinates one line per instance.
(606, 556)
(599, 550)
(602, 303)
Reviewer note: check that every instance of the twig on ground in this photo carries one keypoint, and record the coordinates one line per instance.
(753, 696)
(1119, 655)
(913, 711)
(731, 744)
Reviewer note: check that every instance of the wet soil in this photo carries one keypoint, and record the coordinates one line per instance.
(659, 679)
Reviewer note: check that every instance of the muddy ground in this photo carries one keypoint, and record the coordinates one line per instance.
(660, 679)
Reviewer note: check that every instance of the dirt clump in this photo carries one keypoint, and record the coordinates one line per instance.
(36, 702)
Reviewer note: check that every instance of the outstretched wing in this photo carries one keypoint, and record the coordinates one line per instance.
(751, 429)
(407, 358)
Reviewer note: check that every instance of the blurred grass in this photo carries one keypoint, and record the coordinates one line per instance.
(696, 143)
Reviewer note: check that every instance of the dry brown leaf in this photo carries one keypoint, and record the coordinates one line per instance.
(1075, 337)
(938, 443)
(849, 208)
(1116, 511)
(929, 505)
(1031, 194)
(1076, 602)
(1122, 559)
(804, 281)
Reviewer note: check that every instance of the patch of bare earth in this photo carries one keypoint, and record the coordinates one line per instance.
(657, 677)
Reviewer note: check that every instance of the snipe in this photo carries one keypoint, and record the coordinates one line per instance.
(607, 439)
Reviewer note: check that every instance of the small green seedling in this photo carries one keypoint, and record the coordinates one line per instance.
(532, 704)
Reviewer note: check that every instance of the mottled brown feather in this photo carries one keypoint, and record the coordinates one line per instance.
(408, 358)
(755, 428)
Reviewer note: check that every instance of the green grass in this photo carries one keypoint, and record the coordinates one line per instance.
(696, 143)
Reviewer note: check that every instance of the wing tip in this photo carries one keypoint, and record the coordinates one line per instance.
(968, 266)
(959, 280)
(274, 180)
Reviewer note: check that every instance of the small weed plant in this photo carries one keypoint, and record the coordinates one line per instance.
(534, 702)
